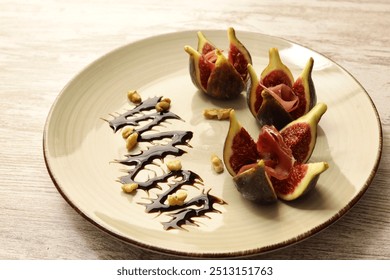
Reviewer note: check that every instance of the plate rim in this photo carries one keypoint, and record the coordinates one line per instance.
(239, 253)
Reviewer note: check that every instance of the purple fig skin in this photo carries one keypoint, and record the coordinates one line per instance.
(225, 82)
(255, 185)
(271, 112)
(312, 89)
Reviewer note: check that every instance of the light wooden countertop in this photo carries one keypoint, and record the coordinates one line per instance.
(43, 44)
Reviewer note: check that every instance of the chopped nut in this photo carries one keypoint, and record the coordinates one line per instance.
(131, 141)
(174, 165)
(127, 131)
(128, 188)
(177, 198)
(216, 113)
(162, 106)
(133, 96)
(166, 99)
(217, 163)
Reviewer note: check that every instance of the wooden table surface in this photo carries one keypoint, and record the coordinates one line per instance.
(43, 44)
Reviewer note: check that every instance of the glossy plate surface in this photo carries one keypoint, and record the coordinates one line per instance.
(80, 148)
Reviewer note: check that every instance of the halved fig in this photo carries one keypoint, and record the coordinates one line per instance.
(301, 134)
(214, 74)
(302, 179)
(304, 88)
(255, 185)
(239, 149)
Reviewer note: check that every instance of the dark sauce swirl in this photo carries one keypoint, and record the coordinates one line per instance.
(197, 206)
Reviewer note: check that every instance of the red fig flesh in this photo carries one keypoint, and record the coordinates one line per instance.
(302, 179)
(301, 135)
(276, 72)
(239, 148)
(304, 89)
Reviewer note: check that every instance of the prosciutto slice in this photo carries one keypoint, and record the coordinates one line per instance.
(273, 150)
(284, 95)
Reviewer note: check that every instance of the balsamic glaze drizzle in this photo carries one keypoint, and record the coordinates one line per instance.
(139, 161)
(197, 206)
(130, 117)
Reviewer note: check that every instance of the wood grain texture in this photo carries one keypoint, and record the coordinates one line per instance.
(43, 44)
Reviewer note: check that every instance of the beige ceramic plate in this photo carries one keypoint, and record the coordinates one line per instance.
(80, 148)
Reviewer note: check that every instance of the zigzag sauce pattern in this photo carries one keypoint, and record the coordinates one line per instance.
(197, 206)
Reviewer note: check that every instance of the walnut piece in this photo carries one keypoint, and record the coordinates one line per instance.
(128, 188)
(131, 141)
(177, 198)
(163, 105)
(133, 96)
(217, 163)
(127, 131)
(217, 113)
(174, 165)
